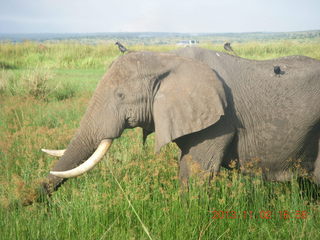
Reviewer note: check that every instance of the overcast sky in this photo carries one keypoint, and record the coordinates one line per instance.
(62, 16)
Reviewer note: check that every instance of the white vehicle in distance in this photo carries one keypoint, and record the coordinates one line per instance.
(188, 43)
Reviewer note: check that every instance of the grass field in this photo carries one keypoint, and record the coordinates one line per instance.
(134, 193)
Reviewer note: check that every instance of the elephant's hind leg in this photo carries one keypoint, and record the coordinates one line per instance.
(316, 172)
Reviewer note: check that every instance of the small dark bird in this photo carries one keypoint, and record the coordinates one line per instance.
(277, 70)
(227, 46)
(122, 48)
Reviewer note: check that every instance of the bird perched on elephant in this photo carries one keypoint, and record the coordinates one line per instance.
(227, 47)
(216, 107)
(122, 48)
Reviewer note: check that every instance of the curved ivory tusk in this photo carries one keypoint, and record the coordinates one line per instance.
(87, 165)
(55, 153)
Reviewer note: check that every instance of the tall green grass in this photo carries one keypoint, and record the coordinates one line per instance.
(61, 55)
(93, 206)
(73, 55)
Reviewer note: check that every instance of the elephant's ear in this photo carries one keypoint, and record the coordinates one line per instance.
(190, 98)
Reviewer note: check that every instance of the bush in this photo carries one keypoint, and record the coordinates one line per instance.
(35, 82)
(64, 92)
(8, 82)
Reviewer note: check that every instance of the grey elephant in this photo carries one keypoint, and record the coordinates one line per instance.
(216, 107)
(275, 118)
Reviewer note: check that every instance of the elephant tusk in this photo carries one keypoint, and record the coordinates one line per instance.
(88, 164)
(54, 153)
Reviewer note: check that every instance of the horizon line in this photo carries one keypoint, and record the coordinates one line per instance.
(128, 32)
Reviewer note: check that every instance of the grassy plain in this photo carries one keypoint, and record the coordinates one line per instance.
(44, 90)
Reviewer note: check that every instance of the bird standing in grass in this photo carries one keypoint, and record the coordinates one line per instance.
(122, 48)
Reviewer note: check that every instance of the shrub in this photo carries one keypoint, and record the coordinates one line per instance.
(8, 82)
(64, 92)
(35, 82)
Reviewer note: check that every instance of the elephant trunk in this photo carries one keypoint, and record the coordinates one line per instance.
(84, 151)
(88, 164)
(82, 154)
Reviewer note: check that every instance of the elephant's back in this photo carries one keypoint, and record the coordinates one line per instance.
(255, 87)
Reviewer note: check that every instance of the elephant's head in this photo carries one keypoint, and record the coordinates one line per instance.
(160, 92)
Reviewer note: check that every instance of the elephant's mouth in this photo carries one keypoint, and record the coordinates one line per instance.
(85, 166)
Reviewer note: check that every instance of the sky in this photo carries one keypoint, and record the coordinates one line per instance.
(186, 16)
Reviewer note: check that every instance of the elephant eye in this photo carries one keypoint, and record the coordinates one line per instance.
(120, 95)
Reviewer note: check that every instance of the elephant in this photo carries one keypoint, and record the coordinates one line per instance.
(218, 108)
(275, 117)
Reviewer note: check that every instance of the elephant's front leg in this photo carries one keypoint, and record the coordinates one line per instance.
(203, 153)
(193, 167)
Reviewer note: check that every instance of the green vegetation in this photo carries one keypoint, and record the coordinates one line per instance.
(44, 90)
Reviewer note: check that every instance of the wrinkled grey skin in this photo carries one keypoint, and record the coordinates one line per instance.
(271, 121)
(224, 109)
